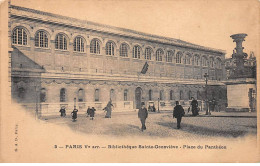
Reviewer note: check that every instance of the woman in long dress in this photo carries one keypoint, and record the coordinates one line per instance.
(108, 109)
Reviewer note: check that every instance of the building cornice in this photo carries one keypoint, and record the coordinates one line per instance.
(28, 13)
(114, 77)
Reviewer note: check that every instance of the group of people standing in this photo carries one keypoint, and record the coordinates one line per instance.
(90, 111)
(178, 113)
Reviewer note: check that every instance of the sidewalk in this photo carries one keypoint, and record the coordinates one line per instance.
(230, 114)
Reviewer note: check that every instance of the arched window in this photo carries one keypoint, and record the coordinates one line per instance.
(169, 56)
(112, 95)
(110, 50)
(125, 95)
(96, 94)
(19, 36)
(94, 46)
(63, 95)
(178, 57)
(61, 42)
(198, 95)
(80, 95)
(159, 55)
(171, 95)
(196, 60)
(150, 95)
(189, 95)
(148, 53)
(218, 63)
(181, 95)
(136, 52)
(124, 50)
(41, 39)
(211, 62)
(43, 95)
(78, 44)
(21, 93)
(161, 95)
(187, 59)
(204, 61)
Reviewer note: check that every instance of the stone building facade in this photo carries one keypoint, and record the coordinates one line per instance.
(61, 61)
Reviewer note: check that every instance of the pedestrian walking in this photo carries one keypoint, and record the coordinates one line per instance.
(194, 107)
(92, 113)
(178, 113)
(74, 114)
(108, 109)
(88, 111)
(62, 112)
(142, 115)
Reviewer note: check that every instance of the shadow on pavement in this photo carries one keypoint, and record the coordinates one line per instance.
(204, 130)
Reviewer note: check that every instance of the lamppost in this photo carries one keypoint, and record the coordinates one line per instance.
(74, 102)
(158, 105)
(36, 101)
(206, 76)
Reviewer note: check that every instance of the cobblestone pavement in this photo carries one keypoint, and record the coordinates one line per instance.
(160, 125)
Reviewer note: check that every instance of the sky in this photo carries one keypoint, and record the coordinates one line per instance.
(204, 22)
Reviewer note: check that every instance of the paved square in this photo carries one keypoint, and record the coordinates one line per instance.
(162, 125)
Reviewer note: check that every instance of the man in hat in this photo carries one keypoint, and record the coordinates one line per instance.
(142, 115)
(62, 112)
(178, 113)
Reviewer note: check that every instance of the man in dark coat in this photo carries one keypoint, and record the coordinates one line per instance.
(62, 112)
(92, 113)
(178, 113)
(194, 107)
(142, 115)
(74, 114)
(88, 111)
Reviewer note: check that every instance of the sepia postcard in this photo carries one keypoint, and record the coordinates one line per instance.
(129, 81)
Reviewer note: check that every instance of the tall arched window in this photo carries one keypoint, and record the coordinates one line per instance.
(136, 52)
(196, 60)
(204, 61)
(178, 57)
(95, 46)
(159, 55)
(198, 95)
(41, 39)
(19, 36)
(78, 44)
(96, 94)
(211, 62)
(171, 95)
(181, 95)
(63, 95)
(21, 93)
(148, 53)
(80, 95)
(43, 95)
(189, 95)
(150, 95)
(218, 63)
(169, 56)
(124, 50)
(161, 95)
(61, 42)
(110, 50)
(112, 95)
(125, 95)
(187, 59)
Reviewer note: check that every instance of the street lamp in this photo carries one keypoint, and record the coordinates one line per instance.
(158, 105)
(206, 76)
(36, 101)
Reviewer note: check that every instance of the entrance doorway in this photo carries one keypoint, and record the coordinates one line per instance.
(138, 97)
